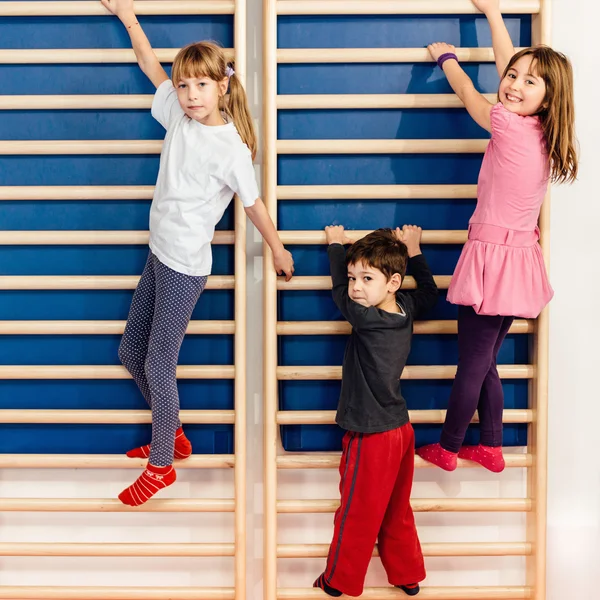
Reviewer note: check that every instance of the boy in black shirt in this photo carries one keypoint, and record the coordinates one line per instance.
(377, 462)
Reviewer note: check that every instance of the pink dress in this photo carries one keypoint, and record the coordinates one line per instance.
(501, 269)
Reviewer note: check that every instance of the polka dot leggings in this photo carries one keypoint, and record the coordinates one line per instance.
(160, 311)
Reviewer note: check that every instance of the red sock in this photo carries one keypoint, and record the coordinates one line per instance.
(152, 480)
(487, 456)
(435, 454)
(183, 448)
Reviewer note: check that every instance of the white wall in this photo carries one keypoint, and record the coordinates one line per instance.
(574, 471)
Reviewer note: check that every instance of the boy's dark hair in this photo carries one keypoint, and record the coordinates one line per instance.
(380, 250)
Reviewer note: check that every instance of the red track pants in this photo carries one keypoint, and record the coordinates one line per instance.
(376, 479)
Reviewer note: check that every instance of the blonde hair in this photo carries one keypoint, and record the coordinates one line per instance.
(557, 112)
(207, 59)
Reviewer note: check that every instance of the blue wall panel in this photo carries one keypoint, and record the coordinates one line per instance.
(378, 169)
(438, 123)
(313, 261)
(85, 170)
(318, 306)
(107, 32)
(316, 438)
(80, 124)
(90, 260)
(395, 31)
(68, 215)
(109, 394)
(104, 439)
(74, 79)
(371, 214)
(97, 304)
(385, 78)
(423, 78)
(102, 350)
(426, 350)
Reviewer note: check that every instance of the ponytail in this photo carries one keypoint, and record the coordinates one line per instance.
(238, 109)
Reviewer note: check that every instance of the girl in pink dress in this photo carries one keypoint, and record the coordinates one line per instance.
(501, 273)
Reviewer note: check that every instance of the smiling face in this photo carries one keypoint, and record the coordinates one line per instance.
(368, 286)
(199, 98)
(522, 91)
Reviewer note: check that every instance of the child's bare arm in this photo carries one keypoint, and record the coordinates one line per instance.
(475, 103)
(503, 46)
(282, 258)
(146, 58)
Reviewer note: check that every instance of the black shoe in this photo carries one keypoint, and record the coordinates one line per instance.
(321, 583)
(411, 590)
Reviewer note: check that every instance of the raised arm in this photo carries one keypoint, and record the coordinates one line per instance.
(353, 312)
(424, 298)
(146, 58)
(501, 42)
(475, 103)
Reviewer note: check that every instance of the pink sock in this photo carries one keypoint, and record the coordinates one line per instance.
(435, 454)
(183, 448)
(152, 480)
(487, 456)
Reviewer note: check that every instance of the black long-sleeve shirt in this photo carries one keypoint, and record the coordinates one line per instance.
(376, 353)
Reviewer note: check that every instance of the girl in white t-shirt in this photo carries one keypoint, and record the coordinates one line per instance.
(206, 159)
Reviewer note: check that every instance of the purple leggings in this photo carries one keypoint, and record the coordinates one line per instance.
(477, 385)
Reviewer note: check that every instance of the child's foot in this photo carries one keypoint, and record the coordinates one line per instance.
(487, 456)
(152, 480)
(321, 583)
(411, 589)
(435, 454)
(183, 448)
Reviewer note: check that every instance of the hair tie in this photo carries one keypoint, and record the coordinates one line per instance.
(229, 72)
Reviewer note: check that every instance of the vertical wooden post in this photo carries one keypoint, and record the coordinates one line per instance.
(270, 301)
(537, 438)
(240, 339)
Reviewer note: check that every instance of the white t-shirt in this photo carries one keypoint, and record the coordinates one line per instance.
(201, 167)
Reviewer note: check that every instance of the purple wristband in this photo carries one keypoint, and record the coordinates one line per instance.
(444, 57)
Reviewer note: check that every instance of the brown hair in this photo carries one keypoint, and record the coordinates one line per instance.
(557, 112)
(207, 59)
(380, 250)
